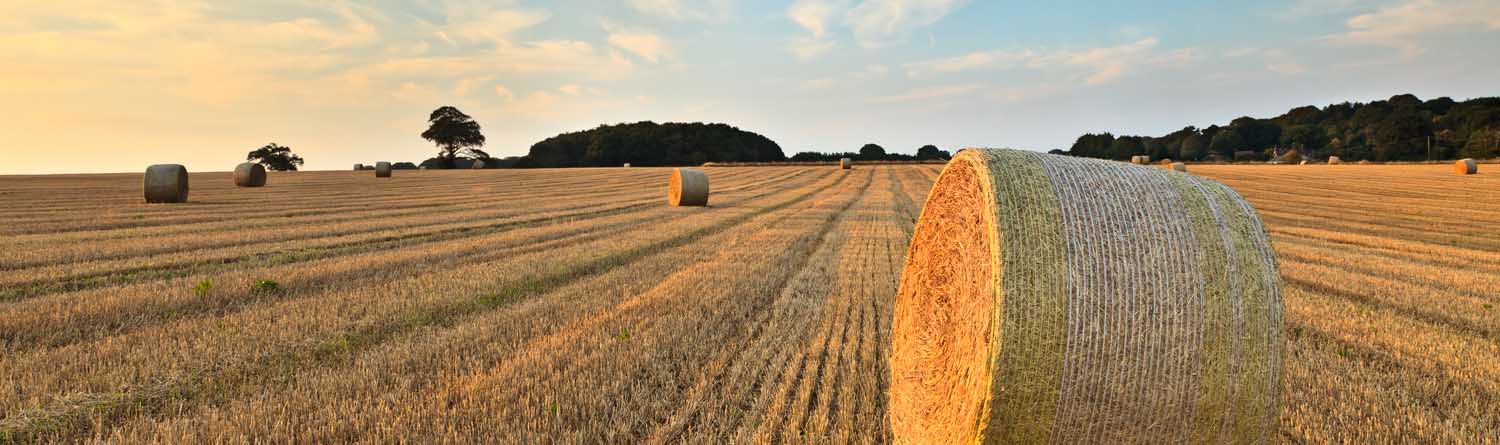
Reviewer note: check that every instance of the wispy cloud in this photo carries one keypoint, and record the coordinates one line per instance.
(1096, 65)
(976, 60)
(926, 93)
(697, 10)
(646, 44)
(882, 22)
(815, 15)
(808, 48)
(1400, 26)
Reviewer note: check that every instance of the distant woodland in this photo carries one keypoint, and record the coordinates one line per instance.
(652, 144)
(1402, 128)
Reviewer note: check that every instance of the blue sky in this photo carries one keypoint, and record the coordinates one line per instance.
(115, 87)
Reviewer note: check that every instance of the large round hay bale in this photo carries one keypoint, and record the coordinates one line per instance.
(846, 163)
(1334, 160)
(249, 174)
(382, 169)
(1466, 166)
(166, 183)
(627, 165)
(478, 164)
(358, 167)
(1054, 299)
(688, 187)
(1178, 166)
(1140, 160)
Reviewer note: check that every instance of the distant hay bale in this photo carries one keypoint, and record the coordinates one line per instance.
(382, 169)
(478, 164)
(249, 174)
(1178, 166)
(627, 165)
(422, 168)
(1466, 166)
(1140, 160)
(358, 167)
(166, 183)
(1364, 162)
(1165, 161)
(1304, 162)
(1054, 299)
(846, 163)
(688, 187)
(1334, 160)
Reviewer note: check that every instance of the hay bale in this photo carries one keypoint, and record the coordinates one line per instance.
(1140, 160)
(1053, 299)
(1364, 162)
(422, 168)
(627, 165)
(1334, 160)
(1178, 166)
(846, 163)
(478, 164)
(166, 183)
(358, 167)
(382, 169)
(1466, 166)
(688, 187)
(250, 174)
(1304, 162)
(1165, 161)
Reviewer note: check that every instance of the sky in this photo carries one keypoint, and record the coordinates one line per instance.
(112, 86)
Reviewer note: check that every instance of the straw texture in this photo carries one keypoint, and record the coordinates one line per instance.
(382, 169)
(166, 183)
(687, 187)
(1466, 167)
(250, 174)
(1051, 299)
(846, 163)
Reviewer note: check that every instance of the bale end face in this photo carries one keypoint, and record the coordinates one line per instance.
(250, 174)
(166, 183)
(382, 169)
(944, 334)
(687, 187)
(1466, 167)
(1051, 299)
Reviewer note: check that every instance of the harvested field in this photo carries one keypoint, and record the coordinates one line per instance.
(477, 306)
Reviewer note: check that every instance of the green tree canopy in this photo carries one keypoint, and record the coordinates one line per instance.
(652, 144)
(453, 132)
(1398, 128)
(275, 158)
(931, 152)
(871, 152)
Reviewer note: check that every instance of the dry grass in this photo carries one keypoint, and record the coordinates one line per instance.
(467, 306)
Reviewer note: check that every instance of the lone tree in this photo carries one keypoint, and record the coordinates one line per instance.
(275, 158)
(871, 152)
(928, 152)
(454, 132)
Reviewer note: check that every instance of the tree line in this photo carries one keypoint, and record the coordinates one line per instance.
(874, 152)
(1402, 128)
(651, 144)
